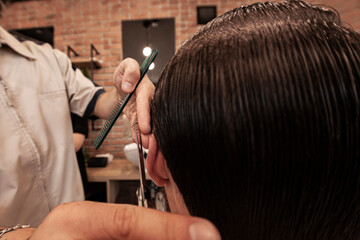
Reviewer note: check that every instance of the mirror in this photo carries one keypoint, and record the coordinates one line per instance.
(154, 33)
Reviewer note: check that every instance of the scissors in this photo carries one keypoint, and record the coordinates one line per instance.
(142, 193)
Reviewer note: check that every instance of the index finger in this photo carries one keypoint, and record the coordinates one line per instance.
(104, 221)
(144, 95)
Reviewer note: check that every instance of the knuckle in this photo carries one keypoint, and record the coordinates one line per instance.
(64, 208)
(59, 213)
(124, 219)
(169, 230)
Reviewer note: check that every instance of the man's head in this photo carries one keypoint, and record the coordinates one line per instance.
(256, 124)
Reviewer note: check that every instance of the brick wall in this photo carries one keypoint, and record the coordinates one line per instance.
(80, 22)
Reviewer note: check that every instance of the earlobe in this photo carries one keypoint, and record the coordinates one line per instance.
(155, 163)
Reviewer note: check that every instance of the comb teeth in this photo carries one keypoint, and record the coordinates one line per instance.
(121, 104)
(107, 126)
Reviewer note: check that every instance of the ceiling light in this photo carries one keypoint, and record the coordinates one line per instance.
(146, 51)
(152, 66)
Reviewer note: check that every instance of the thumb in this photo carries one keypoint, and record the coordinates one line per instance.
(126, 75)
(128, 222)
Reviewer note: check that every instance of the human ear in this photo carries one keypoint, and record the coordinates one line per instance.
(155, 163)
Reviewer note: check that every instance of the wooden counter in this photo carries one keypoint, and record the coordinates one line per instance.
(116, 171)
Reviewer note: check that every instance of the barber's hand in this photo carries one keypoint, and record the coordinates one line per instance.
(126, 76)
(103, 221)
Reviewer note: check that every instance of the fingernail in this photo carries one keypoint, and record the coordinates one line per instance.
(203, 230)
(127, 86)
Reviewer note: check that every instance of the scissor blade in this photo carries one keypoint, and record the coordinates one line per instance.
(142, 199)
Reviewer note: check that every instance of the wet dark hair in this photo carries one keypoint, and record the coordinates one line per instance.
(257, 116)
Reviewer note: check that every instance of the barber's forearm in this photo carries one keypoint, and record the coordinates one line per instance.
(106, 103)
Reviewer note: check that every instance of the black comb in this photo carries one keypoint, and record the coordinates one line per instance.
(120, 106)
